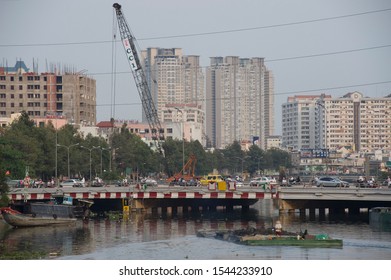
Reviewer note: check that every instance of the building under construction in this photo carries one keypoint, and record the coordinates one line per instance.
(59, 93)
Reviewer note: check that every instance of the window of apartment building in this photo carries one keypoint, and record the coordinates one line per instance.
(45, 96)
(37, 95)
(12, 105)
(37, 113)
(37, 104)
(12, 79)
(20, 96)
(45, 78)
(2, 86)
(12, 96)
(30, 113)
(169, 130)
(20, 104)
(146, 130)
(20, 78)
(37, 87)
(30, 104)
(30, 87)
(30, 78)
(30, 95)
(12, 88)
(20, 87)
(37, 78)
(2, 95)
(2, 78)
(3, 104)
(3, 113)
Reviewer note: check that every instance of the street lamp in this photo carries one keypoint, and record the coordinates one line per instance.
(183, 139)
(68, 147)
(90, 149)
(242, 159)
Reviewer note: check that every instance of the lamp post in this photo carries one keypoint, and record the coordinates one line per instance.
(68, 147)
(242, 159)
(90, 150)
(183, 139)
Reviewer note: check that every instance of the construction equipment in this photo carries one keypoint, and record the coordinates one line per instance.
(187, 171)
(128, 41)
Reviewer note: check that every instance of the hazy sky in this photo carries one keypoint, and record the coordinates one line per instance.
(334, 46)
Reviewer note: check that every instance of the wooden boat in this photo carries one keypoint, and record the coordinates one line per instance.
(320, 240)
(17, 219)
(268, 237)
(61, 210)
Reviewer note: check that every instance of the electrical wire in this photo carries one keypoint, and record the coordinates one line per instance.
(204, 33)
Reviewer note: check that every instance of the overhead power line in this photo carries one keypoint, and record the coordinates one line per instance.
(203, 33)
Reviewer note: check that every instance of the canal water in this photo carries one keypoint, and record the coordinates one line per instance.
(172, 236)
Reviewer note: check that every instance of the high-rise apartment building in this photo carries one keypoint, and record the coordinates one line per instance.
(239, 101)
(359, 123)
(302, 122)
(177, 87)
(363, 123)
(69, 95)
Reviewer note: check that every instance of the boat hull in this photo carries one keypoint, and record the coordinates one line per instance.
(291, 241)
(17, 219)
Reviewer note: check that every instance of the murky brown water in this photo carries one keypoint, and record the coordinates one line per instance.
(172, 236)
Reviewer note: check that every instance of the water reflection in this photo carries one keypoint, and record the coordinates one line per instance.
(159, 229)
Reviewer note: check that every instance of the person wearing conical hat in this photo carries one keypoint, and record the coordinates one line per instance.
(278, 228)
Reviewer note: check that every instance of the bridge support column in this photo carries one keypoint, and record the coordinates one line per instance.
(322, 214)
(137, 205)
(302, 212)
(312, 213)
(354, 211)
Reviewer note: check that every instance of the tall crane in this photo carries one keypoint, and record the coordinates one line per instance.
(128, 41)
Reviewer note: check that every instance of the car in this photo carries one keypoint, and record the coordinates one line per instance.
(182, 182)
(237, 183)
(330, 182)
(211, 179)
(71, 183)
(149, 182)
(259, 181)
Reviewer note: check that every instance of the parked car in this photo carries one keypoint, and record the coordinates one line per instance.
(71, 183)
(259, 181)
(330, 182)
(238, 183)
(149, 182)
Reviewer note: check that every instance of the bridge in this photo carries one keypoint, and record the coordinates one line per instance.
(134, 198)
(139, 199)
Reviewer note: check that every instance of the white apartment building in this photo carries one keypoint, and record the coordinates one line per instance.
(359, 123)
(177, 87)
(301, 122)
(239, 101)
(56, 94)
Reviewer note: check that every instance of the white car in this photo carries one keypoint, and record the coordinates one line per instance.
(149, 182)
(71, 183)
(260, 181)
